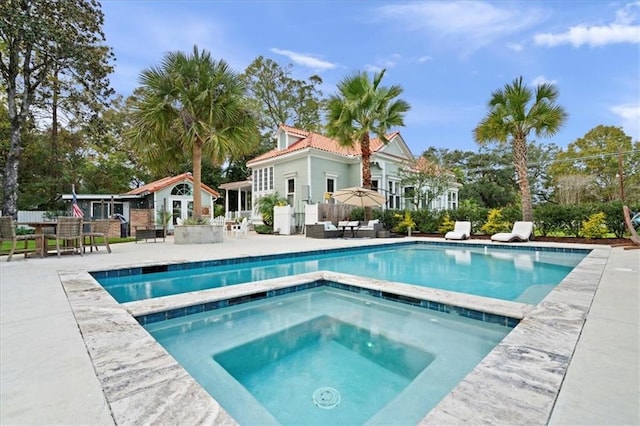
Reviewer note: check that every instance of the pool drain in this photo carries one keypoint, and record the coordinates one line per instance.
(326, 397)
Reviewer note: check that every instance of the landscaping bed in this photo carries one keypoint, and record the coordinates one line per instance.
(571, 240)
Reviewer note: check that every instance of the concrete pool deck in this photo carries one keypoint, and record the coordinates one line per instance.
(47, 376)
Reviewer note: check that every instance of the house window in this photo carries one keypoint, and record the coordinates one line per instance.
(331, 185)
(270, 178)
(263, 179)
(453, 200)
(103, 209)
(374, 185)
(291, 187)
(182, 189)
(393, 199)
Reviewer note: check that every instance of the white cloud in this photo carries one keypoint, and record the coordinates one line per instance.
(592, 36)
(622, 30)
(468, 24)
(629, 115)
(541, 79)
(372, 68)
(305, 60)
(517, 47)
(423, 59)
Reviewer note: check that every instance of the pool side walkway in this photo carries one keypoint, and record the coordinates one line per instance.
(47, 377)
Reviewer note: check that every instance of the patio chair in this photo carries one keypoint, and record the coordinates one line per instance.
(521, 232)
(99, 229)
(8, 233)
(461, 231)
(240, 230)
(69, 231)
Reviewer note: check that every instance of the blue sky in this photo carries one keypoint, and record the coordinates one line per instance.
(448, 56)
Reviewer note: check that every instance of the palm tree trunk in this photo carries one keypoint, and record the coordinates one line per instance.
(197, 179)
(365, 149)
(520, 163)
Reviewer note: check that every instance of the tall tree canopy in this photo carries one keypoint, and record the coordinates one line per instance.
(40, 41)
(596, 161)
(363, 107)
(192, 103)
(281, 99)
(514, 112)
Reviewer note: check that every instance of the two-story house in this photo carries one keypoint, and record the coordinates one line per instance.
(307, 167)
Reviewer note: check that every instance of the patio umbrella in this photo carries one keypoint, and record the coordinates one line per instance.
(358, 196)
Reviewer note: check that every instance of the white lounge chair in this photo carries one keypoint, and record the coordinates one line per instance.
(521, 232)
(461, 231)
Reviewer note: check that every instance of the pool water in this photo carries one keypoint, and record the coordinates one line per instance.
(326, 356)
(519, 275)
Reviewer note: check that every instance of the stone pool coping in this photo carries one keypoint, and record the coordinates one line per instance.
(517, 382)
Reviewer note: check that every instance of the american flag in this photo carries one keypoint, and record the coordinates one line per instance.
(77, 211)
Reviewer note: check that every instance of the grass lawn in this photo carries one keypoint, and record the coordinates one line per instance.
(6, 245)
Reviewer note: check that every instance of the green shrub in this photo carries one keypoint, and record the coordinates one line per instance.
(356, 213)
(470, 211)
(387, 217)
(218, 210)
(549, 218)
(595, 226)
(511, 213)
(447, 225)
(266, 205)
(495, 223)
(263, 229)
(406, 223)
(427, 221)
(196, 221)
(614, 218)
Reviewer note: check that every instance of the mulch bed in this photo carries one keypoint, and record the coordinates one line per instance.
(574, 240)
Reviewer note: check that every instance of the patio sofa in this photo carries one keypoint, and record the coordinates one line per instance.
(370, 229)
(322, 230)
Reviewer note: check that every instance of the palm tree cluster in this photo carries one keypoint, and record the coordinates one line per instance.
(193, 104)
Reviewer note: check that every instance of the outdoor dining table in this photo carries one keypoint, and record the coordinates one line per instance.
(39, 228)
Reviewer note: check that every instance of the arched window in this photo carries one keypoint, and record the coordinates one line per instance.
(182, 189)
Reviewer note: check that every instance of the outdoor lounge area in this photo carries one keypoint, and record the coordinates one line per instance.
(345, 229)
(600, 386)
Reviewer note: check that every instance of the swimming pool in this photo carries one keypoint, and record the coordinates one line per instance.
(518, 381)
(327, 356)
(509, 274)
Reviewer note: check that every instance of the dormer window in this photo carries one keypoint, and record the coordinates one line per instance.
(282, 141)
(285, 140)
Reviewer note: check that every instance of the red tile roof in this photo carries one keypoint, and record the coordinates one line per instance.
(169, 180)
(319, 142)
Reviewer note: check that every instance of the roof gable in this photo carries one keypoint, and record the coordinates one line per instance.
(159, 184)
(311, 140)
(396, 147)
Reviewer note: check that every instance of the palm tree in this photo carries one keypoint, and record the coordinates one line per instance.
(191, 103)
(362, 108)
(514, 112)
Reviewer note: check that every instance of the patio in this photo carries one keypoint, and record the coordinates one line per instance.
(48, 377)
